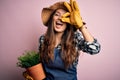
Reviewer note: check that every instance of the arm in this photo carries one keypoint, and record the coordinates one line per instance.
(91, 47)
(26, 74)
(87, 43)
(86, 34)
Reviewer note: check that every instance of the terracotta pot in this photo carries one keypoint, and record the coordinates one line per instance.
(37, 72)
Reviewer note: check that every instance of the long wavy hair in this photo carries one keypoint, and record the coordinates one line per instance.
(68, 51)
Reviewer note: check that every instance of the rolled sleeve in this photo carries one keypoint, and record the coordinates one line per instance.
(85, 46)
(90, 47)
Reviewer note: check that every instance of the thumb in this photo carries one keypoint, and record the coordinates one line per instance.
(67, 14)
(67, 20)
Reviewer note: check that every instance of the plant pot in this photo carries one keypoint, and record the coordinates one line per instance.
(37, 72)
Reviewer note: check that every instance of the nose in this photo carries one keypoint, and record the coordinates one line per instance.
(59, 17)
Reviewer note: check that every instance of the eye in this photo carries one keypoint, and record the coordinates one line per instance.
(56, 14)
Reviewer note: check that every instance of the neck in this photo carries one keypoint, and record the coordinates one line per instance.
(58, 39)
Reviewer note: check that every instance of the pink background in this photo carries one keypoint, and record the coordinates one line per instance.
(21, 27)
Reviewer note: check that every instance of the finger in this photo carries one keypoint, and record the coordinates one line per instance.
(66, 15)
(67, 20)
(71, 3)
(29, 78)
(67, 5)
(76, 7)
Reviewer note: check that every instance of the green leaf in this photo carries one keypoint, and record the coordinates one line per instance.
(28, 59)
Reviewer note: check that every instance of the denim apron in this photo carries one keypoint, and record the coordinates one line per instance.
(55, 70)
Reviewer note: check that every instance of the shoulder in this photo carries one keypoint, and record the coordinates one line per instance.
(41, 39)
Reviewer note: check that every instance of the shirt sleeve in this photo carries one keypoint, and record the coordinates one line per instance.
(41, 40)
(85, 46)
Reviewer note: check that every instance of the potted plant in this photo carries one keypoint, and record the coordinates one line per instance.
(30, 60)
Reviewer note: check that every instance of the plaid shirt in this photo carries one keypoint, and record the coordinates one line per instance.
(81, 44)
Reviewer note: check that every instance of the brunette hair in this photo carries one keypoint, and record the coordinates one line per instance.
(68, 51)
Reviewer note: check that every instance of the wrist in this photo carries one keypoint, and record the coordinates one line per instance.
(82, 28)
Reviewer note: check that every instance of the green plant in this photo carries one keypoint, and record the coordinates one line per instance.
(28, 59)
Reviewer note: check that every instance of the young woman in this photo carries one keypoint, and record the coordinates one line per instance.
(65, 37)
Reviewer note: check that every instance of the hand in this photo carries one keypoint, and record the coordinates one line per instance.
(27, 76)
(73, 16)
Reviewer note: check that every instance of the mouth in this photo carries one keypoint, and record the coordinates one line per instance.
(59, 23)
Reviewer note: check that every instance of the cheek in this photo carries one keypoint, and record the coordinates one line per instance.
(65, 25)
(54, 18)
(53, 21)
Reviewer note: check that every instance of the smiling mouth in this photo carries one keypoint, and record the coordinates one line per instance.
(59, 23)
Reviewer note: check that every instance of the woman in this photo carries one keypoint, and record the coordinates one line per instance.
(66, 35)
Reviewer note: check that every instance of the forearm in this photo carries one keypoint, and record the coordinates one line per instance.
(86, 34)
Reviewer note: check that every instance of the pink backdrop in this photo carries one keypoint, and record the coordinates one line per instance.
(21, 26)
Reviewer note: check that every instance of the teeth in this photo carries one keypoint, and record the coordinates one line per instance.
(59, 23)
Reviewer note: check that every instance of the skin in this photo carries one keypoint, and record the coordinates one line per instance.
(86, 34)
(58, 25)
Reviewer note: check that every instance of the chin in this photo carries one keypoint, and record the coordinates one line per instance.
(58, 31)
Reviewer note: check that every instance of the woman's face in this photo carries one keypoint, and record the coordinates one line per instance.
(58, 25)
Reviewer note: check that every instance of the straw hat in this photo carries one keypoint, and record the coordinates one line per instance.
(48, 11)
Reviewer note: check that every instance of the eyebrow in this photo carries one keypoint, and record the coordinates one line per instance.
(57, 12)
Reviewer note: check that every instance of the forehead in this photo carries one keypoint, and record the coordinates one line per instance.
(61, 11)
